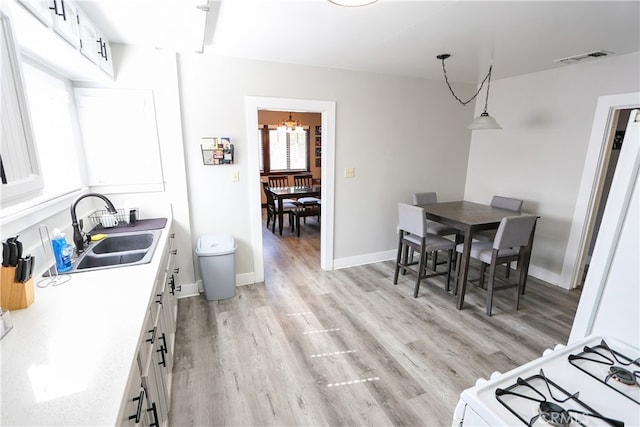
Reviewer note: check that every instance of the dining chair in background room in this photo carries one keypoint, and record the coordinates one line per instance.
(303, 211)
(512, 237)
(413, 235)
(279, 181)
(433, 227)
(272, 209)
(306, 180)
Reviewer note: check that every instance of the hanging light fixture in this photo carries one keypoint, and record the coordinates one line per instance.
(484, 120)
(290, 123)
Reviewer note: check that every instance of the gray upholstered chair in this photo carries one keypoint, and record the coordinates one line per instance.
(433, 227)
(413, 235)
(509, 245)
(272, 209)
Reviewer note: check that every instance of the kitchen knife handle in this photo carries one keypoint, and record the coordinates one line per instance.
(5, 254)
(19, 269)
(13, 253)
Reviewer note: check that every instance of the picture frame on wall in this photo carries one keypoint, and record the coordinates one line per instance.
(318, 162)
(318, 130)
(318, 151)
(318, 141)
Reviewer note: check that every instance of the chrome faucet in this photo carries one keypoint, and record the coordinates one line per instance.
(78, 240)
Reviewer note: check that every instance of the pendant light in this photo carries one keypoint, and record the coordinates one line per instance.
(484, 120)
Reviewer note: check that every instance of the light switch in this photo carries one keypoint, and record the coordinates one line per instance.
(236, 176)
(349, 172)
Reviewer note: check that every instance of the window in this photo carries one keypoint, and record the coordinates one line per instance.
(284, 150)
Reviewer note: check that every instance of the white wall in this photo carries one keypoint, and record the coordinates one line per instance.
(401, 135)
(540, 153)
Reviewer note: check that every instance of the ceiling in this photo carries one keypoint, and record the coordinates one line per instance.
(389, 36)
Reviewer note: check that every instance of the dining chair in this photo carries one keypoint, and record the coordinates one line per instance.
(433, 227)
(272, 209)
(413, 235)
(303, 211)
(279, 181)
(305, 180)
(501, 202)
(513, 235)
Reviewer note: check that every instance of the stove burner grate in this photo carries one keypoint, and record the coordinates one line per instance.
(549, 412)
(604, 355)
(554, 415)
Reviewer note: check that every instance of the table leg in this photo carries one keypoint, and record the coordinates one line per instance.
(464, 266)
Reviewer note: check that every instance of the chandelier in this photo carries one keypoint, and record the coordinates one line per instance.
(291, 124)
(484, 120)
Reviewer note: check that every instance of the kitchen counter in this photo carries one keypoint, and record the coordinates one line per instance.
(68, 357)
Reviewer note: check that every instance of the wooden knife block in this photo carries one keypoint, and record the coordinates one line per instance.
(14, 295)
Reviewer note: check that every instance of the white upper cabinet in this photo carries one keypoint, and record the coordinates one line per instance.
(94, 45)
(66, 40)
(40, 9)
(65, 21)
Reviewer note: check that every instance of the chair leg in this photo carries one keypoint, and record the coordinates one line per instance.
(508, 271)
(492, 275)
(434, 260)
(457, 275)
(483, 271)
(298, 224)
(405, 258)
(522, 279)
(398, 259)
(421, 267)
(449, 262)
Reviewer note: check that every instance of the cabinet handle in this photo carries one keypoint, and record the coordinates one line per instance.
(161, 350)
(164, 343)
(172, 235)
(159, 300)
(64, 13)
(99, 41)
(154, 411)
(139, 411)
(174, 252)
(153, 336)
(172, 285)
(176, 270)
(104, 51)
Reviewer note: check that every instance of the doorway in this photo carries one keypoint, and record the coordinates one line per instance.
(591, 194)
(327, 110)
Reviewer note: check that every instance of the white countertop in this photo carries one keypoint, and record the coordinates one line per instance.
(68, 357)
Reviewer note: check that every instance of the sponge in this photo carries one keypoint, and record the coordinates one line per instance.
(96, 237)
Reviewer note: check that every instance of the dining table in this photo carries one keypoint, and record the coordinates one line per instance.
(469, 218)
(293, 192)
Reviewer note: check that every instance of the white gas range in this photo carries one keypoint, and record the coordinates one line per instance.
(593, 382)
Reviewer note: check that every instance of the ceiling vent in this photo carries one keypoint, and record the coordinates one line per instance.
(583, 56)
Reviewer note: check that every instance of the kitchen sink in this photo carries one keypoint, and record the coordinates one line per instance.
(118, 250)
(124, 243)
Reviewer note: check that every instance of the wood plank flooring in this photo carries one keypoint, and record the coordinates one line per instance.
(347, 347)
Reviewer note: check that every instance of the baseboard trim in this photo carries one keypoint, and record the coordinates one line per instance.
(364, 259)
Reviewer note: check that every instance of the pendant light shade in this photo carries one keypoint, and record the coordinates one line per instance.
(484, 121)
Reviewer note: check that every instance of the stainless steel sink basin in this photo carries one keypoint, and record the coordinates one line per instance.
(118, 250)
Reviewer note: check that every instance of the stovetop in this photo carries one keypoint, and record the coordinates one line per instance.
(571, 386)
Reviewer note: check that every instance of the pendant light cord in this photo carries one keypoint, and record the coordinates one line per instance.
(486, 79)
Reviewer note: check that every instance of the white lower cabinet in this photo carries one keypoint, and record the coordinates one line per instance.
(147, 401)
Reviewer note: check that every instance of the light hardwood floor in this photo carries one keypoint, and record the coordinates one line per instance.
(347, 347)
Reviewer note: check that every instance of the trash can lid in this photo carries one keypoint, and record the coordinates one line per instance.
(215, 244)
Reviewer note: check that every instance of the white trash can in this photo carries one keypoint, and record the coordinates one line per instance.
(216, 256)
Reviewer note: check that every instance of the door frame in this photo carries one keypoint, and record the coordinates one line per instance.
(590, 190)
(328, 111)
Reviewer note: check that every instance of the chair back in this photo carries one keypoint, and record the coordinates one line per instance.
(305, 180)
(411, 219)
(514, 231)
(507, 203)
(278, 181)
(268, 194)
(424, 198)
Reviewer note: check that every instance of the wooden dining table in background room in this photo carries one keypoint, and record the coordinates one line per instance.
(469, 218)
(280, 193)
